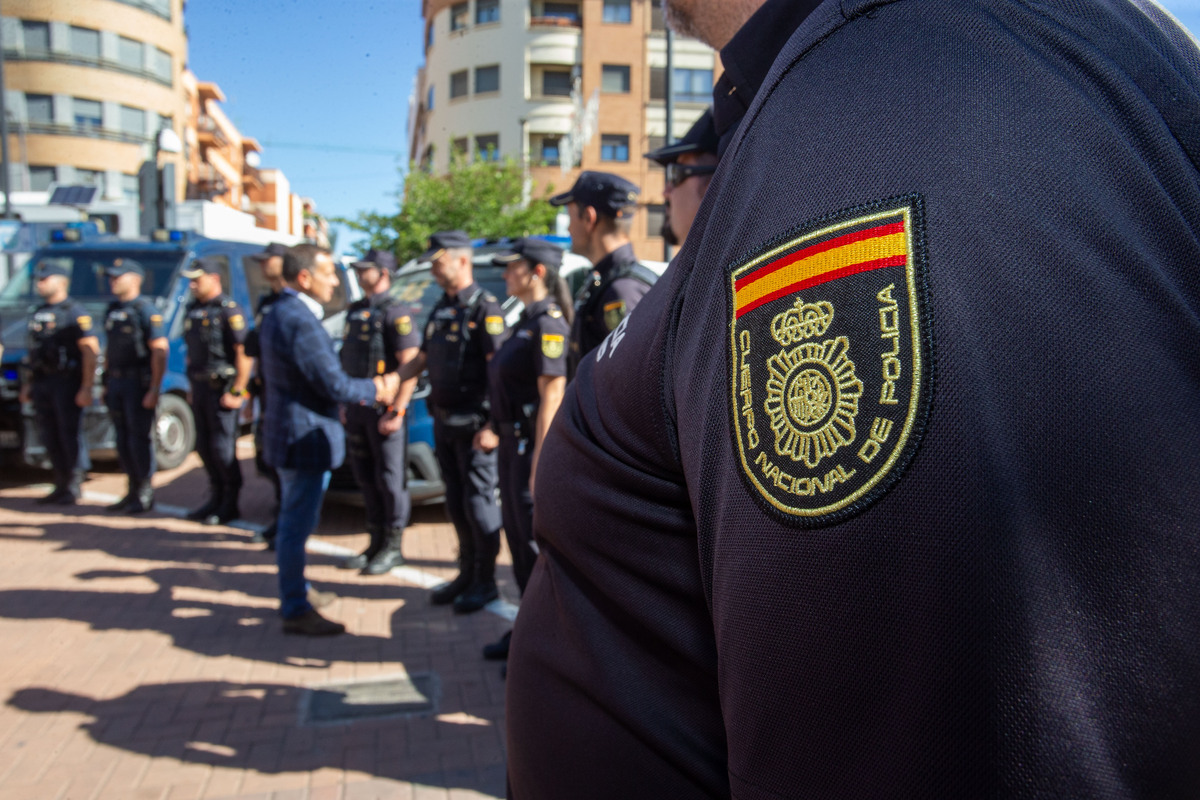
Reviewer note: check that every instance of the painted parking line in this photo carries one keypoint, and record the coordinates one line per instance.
(410, 575)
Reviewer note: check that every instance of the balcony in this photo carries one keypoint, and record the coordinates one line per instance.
(208, 183)
(86, 131)
(74, 60)
(210, 132)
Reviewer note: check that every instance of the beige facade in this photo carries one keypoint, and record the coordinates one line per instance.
(88, 86)
(518, 76)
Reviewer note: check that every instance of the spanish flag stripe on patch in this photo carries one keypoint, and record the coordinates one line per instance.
(831, 260)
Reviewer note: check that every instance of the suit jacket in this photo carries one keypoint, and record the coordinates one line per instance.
(301, 428)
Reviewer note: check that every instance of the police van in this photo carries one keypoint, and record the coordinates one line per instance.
(164, 256)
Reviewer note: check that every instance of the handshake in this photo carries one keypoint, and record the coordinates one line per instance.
(386, 387)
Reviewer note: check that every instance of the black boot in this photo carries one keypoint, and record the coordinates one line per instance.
(71, 493)
(227, 511)
(125, 501)
(60, 483)
(361, 560)
(143, 499)
(210, 506)
(448, 592)
(266, 535)
(483, 589)
(390, 556)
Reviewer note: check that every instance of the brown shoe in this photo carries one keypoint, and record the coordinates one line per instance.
(310, 623)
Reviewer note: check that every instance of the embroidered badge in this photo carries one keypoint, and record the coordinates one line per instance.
(236, 322)
(552, 345)
(494, 325)
(156, 319)
(831, 369)
(404, 326)
(85, 323)
(613, 314)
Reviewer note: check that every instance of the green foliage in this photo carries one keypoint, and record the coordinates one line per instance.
(480, 197)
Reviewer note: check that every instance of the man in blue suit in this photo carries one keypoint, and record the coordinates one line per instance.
(302, 434)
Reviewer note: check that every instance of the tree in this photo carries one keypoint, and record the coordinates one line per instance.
(481, 197)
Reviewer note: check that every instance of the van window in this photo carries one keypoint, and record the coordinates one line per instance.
(86, 268)
(255, 282)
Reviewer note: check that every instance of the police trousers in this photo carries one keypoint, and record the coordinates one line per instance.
(60, 424)
(516, 503)
(379, 464)
(134, 426)
(216, 438)
(470, 478)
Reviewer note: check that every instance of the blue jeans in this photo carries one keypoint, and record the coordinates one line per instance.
(299, 510)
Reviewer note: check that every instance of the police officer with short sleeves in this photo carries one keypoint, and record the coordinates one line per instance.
(60, 369)
(219, 369)
(526, 380)
(134, 363)
(464, 330)
(600, 208)
(379, 337)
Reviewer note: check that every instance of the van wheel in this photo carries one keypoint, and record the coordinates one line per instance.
(174, 431)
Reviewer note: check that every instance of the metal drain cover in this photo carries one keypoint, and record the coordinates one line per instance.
(370, 699)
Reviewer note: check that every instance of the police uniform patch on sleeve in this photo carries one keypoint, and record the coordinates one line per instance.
(494, 325)
(831, 363)
(613, 314)
(404, 325)
(156, 319)
(236, 322)
(552, 345)
(84, 322)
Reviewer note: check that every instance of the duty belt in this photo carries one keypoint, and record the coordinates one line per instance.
(128, 372)
(521, 429)
(458, 416)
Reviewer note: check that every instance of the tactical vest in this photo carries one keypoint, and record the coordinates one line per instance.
(456, 380)
(206, 343)
(127, 347)
(591, 293)
(364, 352)
(49, 351)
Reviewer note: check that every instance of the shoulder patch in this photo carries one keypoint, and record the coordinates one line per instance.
(552, 345)
(494, 325)
(404, 325)
(237, 322)
(831, 363)
(84, 322)
(553, 312)
(613, 314)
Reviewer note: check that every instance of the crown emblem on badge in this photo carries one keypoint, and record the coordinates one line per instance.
(802, 321)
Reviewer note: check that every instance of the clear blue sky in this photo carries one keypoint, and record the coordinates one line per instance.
(324, 87)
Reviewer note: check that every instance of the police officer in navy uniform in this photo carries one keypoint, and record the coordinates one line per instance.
(378, 338)
(465, 328)
(526, 379)
(60, 371)
(270, 263)
(219, 370)
(888, 487)
(600, 208)
(689, 166)
(135, 360)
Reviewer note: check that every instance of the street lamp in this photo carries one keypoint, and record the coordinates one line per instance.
(167, 141)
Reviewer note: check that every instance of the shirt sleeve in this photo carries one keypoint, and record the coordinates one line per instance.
(619, 299)
(401, 331)
(152, 322)
(491, 319)
(235, 325)
(550, 350)
(82, 324)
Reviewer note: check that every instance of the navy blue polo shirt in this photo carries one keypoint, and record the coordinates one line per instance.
(887, 488)
(125, 323)
(536, 347)
(596, 316)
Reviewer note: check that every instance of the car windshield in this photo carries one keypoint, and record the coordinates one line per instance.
(418, 292)
(86, 268)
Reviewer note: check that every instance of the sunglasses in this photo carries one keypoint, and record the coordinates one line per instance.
(678, 173)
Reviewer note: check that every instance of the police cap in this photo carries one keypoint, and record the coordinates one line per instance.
(381, 259)
(700, 138)
(611, 195)
(535, 251)
(123, 266)
(270, 251)
(47, 268)
(204, 266)
(445, 240)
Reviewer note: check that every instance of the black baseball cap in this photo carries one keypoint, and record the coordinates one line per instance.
(270, 251)
(382, 259)
(47, 268)
(204, 266)
(535, 251)
(445, 240)
(700, 138)
(609, 194)
(123, 266)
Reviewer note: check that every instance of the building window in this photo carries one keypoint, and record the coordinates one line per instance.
(160, 65)
(85, 42)
(429, 36)
(160, 7)
(458, 84)
(39, 109)
(458, 147)
(487, 11)
(429, 99)
(614, 147)
(133, 121)
(567, 12)
(427, 159)
(89, 177)
(487, 79)
(614, 78)
(556, 83)
(617, 11)
(88, 114)
(487, 147)
(653, 143)
(37, 36)
(550, 151)
(656, 215)
(693, 85)
(40, 178)
(129, 187)
(130, 53)
(658, 83)
(459, 13)
(657, 23)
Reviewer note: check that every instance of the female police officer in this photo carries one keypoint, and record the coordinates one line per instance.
(526, 380)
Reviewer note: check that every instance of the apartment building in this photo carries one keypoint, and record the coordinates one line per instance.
(559, 86)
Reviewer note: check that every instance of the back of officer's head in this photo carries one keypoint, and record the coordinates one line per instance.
(301, 258)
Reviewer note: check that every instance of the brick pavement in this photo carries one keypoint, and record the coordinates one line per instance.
(142, 658)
